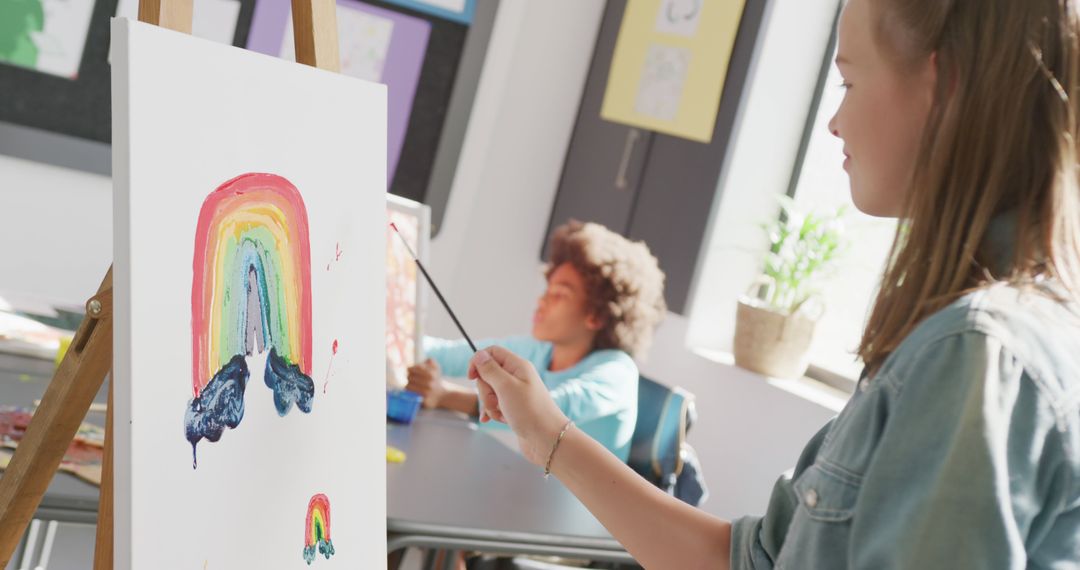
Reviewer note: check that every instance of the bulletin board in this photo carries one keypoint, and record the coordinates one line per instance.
(65, 97)
(66, 120)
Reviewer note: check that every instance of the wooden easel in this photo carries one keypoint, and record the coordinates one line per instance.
(89, 358)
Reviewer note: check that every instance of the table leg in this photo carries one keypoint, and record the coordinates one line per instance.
(429, 559)
(450, 558)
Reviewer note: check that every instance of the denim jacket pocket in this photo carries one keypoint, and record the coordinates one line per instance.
(828, 492)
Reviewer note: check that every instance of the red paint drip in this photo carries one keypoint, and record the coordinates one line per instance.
(333, 352)
(337, 255)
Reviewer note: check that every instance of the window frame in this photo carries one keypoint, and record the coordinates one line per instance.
(815, 372)
(723, 243)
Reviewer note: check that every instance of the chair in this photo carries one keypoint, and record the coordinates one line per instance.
(658, 452)
(664, 417)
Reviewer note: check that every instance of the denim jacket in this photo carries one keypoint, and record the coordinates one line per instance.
(962, 451)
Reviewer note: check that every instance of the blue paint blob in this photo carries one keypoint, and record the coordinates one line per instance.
(220, 405)
(324, 547)
(290, 385)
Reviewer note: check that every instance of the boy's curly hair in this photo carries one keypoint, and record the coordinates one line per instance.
(624, 286)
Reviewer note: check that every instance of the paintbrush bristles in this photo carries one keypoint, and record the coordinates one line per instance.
(403, 242)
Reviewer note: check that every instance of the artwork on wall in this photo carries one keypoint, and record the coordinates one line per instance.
(679, 17)
(45, 35)
(662, 79)
(239, 283)
(375, 44)
(669, 66)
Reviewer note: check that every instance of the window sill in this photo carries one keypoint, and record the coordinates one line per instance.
(821, 393)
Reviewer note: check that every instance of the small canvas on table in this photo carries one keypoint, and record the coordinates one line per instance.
(249, 289)
(405, 299)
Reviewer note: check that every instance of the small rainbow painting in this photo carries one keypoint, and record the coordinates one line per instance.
(250, 294)
(317, 529)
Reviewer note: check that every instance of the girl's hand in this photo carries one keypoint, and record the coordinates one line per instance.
(511, 392)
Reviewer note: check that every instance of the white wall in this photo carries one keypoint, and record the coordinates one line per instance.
(55, 239)
(55, 230)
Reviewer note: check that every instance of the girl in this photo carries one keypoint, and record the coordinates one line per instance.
(961, 445)
(604, 297)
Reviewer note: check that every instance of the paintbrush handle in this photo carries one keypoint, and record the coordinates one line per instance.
(445, 304)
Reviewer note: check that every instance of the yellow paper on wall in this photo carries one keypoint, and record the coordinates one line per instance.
(670, 61)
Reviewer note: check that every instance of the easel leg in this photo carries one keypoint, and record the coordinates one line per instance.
(57, 419)
(103, 547)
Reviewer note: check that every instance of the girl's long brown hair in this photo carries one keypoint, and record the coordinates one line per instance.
(1001, 140)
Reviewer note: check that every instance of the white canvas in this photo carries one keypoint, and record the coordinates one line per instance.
(190, 116)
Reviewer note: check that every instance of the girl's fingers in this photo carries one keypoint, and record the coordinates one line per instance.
(489, 398)
(491, 371)
(516, 366)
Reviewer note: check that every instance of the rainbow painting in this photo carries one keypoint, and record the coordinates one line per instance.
(250, 293)
(317, 529)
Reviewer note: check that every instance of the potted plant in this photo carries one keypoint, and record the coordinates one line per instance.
(774, 323)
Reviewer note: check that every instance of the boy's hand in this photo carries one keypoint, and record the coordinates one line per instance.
(426, 379)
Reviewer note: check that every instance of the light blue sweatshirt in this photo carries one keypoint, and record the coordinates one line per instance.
(599, 393)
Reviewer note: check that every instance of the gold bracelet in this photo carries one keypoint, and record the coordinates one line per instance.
(558, 440)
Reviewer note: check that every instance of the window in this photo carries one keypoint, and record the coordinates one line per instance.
(773, 131)
(849, 292)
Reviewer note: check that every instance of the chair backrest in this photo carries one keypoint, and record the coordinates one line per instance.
(664, 416)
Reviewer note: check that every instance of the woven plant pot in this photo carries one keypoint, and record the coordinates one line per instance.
(772, 343)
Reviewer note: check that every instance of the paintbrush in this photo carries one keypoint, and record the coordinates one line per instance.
(434, 288)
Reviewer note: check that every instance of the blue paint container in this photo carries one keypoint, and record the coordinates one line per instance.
(402, 405)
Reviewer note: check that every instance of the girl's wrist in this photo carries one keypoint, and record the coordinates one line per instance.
(546, 436)
(555, 447)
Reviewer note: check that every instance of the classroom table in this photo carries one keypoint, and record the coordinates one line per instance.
(68, 499)
(461, 489)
